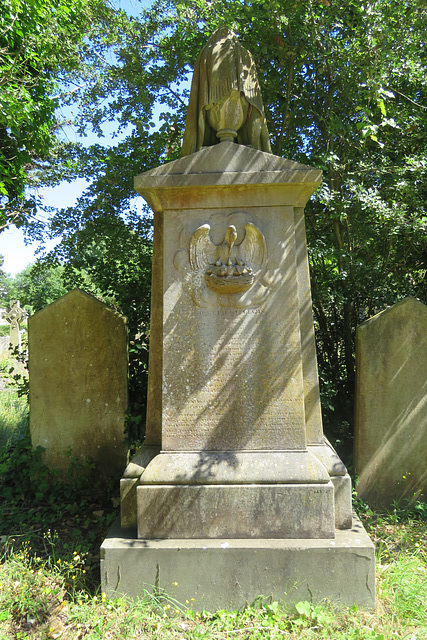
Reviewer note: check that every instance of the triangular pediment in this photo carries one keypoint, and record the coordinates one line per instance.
(224, 163)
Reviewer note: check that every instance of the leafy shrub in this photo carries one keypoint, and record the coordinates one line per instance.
(37, 504)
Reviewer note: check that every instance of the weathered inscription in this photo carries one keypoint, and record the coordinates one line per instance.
(232, 377)
(230, 312)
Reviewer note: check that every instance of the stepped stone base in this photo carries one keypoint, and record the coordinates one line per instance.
(239, 473)
(236, 511)
(214, 574)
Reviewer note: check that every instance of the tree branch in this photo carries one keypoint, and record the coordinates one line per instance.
(408, 98)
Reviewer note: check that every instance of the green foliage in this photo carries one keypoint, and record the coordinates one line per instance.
(5, 283)
(344, 88)
(403, 510)
(36, 287)
(309, 614)
(38, 504)
(43, 49)
(13, 418)
(14, 370)
(31, 602)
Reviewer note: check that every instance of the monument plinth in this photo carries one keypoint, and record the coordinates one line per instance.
(231, 385)
(235, 460)
(235, 478)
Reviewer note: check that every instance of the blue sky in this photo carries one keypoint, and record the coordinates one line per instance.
(17, 255)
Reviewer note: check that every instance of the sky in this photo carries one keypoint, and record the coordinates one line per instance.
(17, 255)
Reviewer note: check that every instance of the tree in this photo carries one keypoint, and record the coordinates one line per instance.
(37, 286)
(45, 48)
(344, 87)
(5, 284)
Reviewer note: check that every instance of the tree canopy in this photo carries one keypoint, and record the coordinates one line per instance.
(47, 48)
(344, 87)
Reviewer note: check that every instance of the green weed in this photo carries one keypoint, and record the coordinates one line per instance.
(55, 518)
(35, 599)
(13, 417)
(50, 532)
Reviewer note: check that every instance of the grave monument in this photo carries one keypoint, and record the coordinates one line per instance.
(78, 382)
(15, 316)
(236, 492)
(390, 449)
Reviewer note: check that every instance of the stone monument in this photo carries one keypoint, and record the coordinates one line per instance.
(391, 418)
(15, 316)
(78, 382)
(236, 492)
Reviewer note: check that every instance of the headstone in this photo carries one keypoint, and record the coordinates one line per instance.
(15, 316)
(4, 345)
(78, 382)
(231, 477)
(391, 413)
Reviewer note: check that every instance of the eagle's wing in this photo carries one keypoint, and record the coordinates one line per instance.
(252, 249)
(201, 248)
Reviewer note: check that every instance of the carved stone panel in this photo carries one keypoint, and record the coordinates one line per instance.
(224, 262)
(232, 375)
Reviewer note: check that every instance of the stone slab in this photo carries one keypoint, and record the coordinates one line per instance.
(130, 481)
(327, 455)
(78, 360)
(391, 416)
(207, 467)
(236, 511)
(217, 574)
(232, 372)
(228, 163)
(313, 412)
(342, 501)
(211, 187)
(235, 467)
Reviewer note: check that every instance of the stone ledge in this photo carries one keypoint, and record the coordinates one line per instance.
(235, 467)
(233, 573)
(293, 511)
(226, 159)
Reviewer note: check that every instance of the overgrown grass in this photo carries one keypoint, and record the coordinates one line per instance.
(13, 417)
(51, 530)
(38, 600)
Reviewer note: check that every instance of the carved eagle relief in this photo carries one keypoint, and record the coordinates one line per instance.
(228, 267)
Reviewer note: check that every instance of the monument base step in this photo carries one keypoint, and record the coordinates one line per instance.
(217, 574)
(236, 511)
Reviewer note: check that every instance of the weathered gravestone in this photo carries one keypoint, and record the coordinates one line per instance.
(232, 494)
(15, 316)
(391, 404)
(78, 382)
(4, 345)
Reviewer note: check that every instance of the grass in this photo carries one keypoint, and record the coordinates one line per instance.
(38, 600)
(51, 530)
(13, 417)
